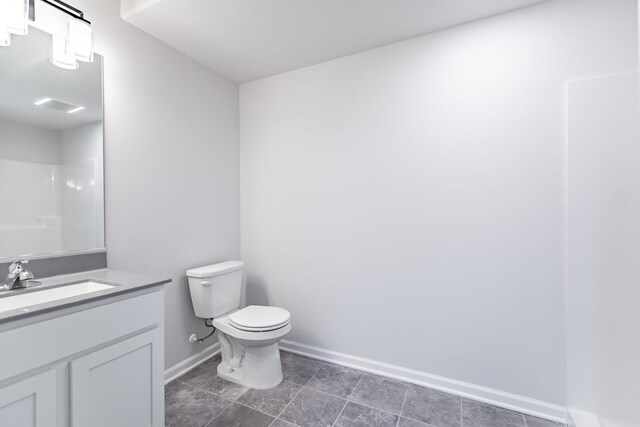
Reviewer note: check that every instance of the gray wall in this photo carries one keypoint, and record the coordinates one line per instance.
(411, 196)
(603, 348)
(171, 164)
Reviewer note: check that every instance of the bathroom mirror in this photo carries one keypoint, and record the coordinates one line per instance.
(51, 152)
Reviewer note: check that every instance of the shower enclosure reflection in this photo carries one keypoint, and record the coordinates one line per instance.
(51, 152)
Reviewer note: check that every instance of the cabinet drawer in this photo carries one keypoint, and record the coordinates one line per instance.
(39, 344)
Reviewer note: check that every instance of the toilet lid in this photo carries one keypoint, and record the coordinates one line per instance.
(259, 318)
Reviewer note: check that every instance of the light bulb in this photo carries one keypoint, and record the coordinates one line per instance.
(59, 56)
(14, 14)
(80, 43)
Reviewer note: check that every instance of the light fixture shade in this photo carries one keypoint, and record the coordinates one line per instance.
(59, 56)
(14, 15)
(5, 36)
(80, 43)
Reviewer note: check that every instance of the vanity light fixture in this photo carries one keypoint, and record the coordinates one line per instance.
(13, 18)
(59, 55)
(65, 52)
(80, 43)
(78, 46)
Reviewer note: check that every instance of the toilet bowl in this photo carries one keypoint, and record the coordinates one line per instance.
(248, 336)
(250, 353)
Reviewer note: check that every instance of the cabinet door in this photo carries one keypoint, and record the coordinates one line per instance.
(120, 385)
(30, 402)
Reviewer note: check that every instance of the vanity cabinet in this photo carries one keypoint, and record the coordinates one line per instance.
(29, 402)
(119, 376)
(99, 364)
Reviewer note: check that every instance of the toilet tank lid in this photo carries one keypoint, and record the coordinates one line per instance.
(215, 269)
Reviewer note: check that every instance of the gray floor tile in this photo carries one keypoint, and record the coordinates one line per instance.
(175, 391)
(214, 361)
(476, 414)
(336, 380)
(195, 410)
(271, 401)
(240, 416)
(539, 422)
(311, 408)
(355, 415)
(200, 375)
(199, 396)
(406, 422)
(432, 407)
(298, 369)
(381, 393)
(225, 389)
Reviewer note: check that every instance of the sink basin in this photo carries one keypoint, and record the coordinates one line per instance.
(48, 295)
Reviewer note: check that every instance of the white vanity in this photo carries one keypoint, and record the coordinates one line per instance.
(93, 358)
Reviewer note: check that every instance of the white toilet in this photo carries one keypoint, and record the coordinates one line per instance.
(249, 336)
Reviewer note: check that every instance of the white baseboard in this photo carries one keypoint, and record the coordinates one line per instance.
(188, 364)
(583, 419)
(510, 401)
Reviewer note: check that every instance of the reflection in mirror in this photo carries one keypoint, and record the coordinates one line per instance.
(51, 151)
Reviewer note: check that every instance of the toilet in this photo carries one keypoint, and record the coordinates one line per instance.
(248, 336)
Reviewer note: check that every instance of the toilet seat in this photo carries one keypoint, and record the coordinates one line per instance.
(258, 318)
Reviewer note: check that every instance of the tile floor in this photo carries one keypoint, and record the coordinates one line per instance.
(319, 394)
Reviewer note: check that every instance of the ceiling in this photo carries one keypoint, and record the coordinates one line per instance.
(245, 40)
(26, 74)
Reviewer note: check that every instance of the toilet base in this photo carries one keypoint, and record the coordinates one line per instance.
(260, 368)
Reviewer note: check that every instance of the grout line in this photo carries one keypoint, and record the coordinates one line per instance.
(340, 414)
(422, 423)
(361, 404)
(314, 374)
(332, 395)
(352, 401)
(505, 400)
(250, 407)
(275, 417)
(354, 389)
(287, 405)
(202, 386)
(406, 393)
(347, 399)
(214, 418)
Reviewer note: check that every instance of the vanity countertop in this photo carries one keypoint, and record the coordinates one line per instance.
(122, 282)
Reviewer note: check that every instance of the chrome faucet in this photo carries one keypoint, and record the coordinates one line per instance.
(18, 276)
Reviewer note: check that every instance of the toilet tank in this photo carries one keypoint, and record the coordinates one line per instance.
(216, 288)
